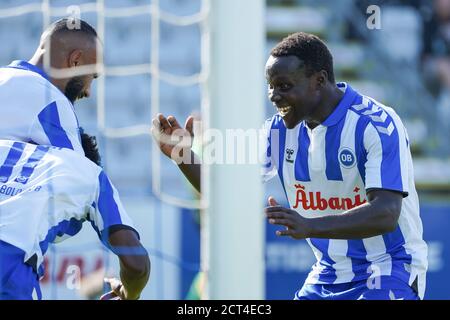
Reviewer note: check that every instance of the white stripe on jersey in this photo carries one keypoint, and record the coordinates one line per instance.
(372, 142)
(405, 154)
(337, 250)
(316, 154)
(381, 262)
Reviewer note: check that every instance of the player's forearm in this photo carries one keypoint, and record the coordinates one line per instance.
(192, 171)
(134, 274)
(368, 220)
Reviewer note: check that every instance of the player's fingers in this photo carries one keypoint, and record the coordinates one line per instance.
(173, 122)
(156, 129)
(155, 132)
(110, 296)
(156, 124)
(281, 222)
(189, 125)
(283, 233)
(114, 283)
(163, 121)
(272, 202)
(277, 215)
(276, 209)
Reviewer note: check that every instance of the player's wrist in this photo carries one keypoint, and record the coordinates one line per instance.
(187, 158)
(125, 294)
(309, 230)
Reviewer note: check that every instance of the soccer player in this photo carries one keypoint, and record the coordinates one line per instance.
(38, 108)
(46, 193)
(344, 162)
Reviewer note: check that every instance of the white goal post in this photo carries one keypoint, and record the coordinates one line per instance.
(233, 244)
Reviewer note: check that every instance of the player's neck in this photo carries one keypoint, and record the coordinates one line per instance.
(38, 61)
(331, 98)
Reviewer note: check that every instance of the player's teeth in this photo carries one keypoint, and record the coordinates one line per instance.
(284, 110)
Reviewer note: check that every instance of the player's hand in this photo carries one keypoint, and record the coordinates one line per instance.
(116, 293)
(296, 225)
(173, 140)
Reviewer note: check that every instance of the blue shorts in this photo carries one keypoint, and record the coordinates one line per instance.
(388, 288)
(18, 280)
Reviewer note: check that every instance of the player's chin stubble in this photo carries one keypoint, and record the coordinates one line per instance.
(74, 88)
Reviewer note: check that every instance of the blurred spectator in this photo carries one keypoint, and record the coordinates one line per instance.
(436, 54)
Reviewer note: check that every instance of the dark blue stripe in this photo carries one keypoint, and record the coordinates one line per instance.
(328, 275)
(395, 243)
(332, 145)
(49, 119)
(358, 99)
(13, 156)
(360, 150)
(24, 65)
(269, 138)
(28, 168)
(391, 173)
(341, 109)
(301, 160)
(107, 206)
(358, 255)
(67, 227)
(99, 234)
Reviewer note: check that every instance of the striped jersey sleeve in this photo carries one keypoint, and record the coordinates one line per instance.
(386, 144)
(57, 125)
(107, 212)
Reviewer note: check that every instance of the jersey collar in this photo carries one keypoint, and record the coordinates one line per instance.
(345, 103)
(24, 65)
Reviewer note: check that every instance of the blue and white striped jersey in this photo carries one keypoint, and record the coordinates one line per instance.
(34, 110)
(46, 193)
(325, 171)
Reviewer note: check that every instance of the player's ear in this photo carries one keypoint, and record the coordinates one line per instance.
(75, 58)
(321, 79)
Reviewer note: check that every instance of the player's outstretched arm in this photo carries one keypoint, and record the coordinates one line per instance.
(175, 142)
(134, 265)
(376, 217)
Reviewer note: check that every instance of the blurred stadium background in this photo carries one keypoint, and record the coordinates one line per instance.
(404, 64)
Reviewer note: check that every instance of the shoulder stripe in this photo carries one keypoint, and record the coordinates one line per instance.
(15, 153)
(32, 162)
(50, 122)
(390, 128)
(380, 117)
(107, 205)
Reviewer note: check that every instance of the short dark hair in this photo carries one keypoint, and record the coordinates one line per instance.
(90, 147)
(308, 48)
(71, 25)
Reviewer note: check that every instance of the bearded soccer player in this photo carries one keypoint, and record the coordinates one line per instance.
(345, 164)
(37, 107)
